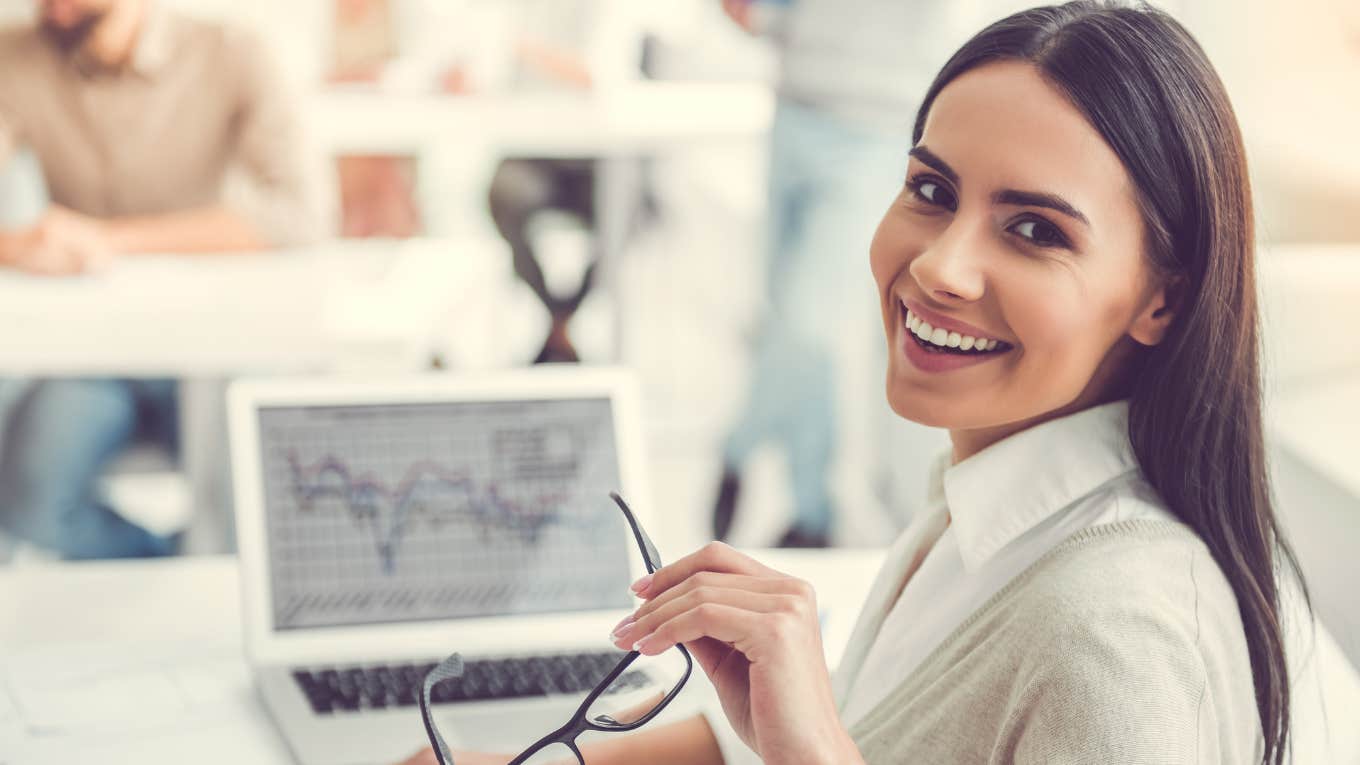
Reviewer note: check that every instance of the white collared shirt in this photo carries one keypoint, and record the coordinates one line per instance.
(988, 518)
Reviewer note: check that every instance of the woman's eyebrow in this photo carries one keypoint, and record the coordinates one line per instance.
(929, 158)
(1039, 199)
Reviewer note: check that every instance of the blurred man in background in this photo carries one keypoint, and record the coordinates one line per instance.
(154, 133)
(851, 74)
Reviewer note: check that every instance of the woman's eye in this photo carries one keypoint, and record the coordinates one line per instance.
(1040, 233)
(933, 192)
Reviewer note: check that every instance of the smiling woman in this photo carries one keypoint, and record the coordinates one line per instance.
(1065, 280)
(1078, 188)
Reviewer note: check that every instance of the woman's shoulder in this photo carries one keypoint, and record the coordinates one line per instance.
(1134, 616)
(1123, 644)
(1139, 579)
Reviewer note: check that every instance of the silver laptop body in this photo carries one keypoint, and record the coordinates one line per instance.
(384, 524)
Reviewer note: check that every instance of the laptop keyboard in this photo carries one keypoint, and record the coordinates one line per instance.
(350, 689)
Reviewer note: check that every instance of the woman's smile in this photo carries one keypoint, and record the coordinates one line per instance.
(936, 344)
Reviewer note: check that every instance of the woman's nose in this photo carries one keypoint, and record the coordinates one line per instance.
(950, 269)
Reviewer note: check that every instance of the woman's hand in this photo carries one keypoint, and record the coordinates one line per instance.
(755, 633)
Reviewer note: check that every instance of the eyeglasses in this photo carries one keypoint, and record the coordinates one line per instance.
(597, 712)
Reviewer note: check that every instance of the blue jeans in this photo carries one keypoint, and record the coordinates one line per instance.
(59, 437)
(829, 185)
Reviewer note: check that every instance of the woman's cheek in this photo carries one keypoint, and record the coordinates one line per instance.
(887, 251)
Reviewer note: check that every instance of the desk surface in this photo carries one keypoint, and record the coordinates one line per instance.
(167, 633)
(292, 310)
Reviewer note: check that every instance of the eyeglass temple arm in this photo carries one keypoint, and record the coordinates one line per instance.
(445, 670)
(650, 557)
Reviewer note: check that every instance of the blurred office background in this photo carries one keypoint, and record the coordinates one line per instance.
(409, 107)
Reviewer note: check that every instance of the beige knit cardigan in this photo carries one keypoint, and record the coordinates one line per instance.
(1121, 645)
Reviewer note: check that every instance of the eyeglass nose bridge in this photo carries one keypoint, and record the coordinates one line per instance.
(563, 736)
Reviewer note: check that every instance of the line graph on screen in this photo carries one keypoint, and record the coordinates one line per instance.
(427, 491)
(394, 512)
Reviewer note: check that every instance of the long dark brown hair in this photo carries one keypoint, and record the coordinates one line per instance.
(1195, 399)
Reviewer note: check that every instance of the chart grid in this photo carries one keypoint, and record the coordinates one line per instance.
(404, 512)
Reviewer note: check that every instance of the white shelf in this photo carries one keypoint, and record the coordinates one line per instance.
(637, 118)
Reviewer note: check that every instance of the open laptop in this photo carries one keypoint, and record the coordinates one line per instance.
(385, 524)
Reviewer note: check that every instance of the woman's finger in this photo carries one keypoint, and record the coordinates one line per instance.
(756, 602)
(750, 632)
(714, 556)
(777, 585)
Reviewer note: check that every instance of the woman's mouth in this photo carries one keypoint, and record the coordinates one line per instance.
(940, 340)
(935, 349)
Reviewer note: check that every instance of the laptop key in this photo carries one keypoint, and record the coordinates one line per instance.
(351, 688)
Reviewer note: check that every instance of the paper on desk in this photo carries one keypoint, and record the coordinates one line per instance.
(84, 687)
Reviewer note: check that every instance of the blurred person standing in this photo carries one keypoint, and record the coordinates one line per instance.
(849, 72)
(153, 133)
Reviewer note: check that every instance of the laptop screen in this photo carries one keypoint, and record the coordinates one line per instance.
(404, 512)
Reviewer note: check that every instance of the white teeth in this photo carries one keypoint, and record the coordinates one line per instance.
(942, 337)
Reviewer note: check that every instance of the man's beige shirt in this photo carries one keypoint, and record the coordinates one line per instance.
(197, 118)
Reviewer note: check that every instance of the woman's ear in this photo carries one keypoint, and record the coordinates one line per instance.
(1150, 326)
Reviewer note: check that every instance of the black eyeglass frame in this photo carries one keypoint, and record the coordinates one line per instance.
(580, 722)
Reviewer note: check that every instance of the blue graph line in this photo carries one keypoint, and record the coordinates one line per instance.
(365, 496)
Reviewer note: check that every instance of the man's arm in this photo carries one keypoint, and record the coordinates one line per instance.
(276, 192)
(9, 123)
(204, 229)
(272, 200)
(8, 139)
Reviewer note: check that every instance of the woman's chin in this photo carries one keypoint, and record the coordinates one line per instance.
(911, 405)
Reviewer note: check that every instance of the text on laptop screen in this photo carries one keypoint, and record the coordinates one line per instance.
(404, 512)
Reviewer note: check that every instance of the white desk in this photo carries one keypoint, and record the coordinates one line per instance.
(370, 306)
(164, 637)
(336, 305)
(179, 621)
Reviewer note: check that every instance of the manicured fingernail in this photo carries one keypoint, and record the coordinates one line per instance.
(642, 584)
(640, 646)
(622, 630)
(627, 620)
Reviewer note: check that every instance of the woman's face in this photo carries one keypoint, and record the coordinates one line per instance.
(1017, 231)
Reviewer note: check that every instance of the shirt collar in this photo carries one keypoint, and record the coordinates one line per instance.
(1011, 486)
(152, 51)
